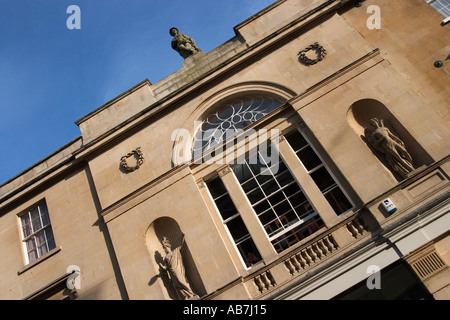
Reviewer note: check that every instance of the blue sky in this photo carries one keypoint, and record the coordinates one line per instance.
(50, 76)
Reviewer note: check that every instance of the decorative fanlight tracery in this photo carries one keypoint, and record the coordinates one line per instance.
(232, 118)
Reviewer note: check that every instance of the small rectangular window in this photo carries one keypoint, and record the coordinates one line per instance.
(233, 221)
(37, 234)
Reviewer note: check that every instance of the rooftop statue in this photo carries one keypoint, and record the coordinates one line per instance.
(183, 44)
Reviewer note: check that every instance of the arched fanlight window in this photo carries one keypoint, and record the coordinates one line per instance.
(236, 115)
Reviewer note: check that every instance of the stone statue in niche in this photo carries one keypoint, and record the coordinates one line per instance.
(174, 267)
(394, 150)
(183, 44)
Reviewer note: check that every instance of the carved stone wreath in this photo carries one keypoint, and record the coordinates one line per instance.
(319, 50)
(138, 157)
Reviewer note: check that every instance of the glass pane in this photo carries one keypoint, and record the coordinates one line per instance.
(242, 172)
(26, 225)
(261, 207)
(41, 243)
(257, 167)
(292, 190)
(216, 187)
(276, 198)
(267, 216)
(289, 217)
(270, 187)
(282, 208)
(50, 240)
(250, 185)
(296, 140)
(273, 228)
(31, 249)
(255, 196)
(309, 158)
(322, 178)
(304, 209)
(249, 252)
(284, 178)
(264, 176)
(35, 219)
(31, 244)
(32, 255)
(338, 200)
(237, 228)
(313, 225)
(44, 215)
(226, 206)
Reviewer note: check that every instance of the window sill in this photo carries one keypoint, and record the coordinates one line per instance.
(39, 260)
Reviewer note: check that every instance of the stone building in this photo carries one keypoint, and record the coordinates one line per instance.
(305, 158)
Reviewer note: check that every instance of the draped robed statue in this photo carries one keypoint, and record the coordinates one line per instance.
(393, 149)
(174, 267)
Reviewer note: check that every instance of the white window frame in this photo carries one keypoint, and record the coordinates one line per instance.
(35, 233)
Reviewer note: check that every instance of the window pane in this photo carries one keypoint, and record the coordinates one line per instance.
(276, 198)
(226, 206)
(50, 240)
(282, 208)
(284, 178)
(250, 185)
(292, 190)
(262, 206)
(31, 249)
(304, 209)
(237, 228)
(242, 172)
(309, 158)
(35, 219)
(41, 243)
(267, 217)
(255, 196)
(216, 188)
(26, 225)
(442, 6)
(257, 167)
(44, 215)
(37, 232)
(270, 187)
(32, 255)
(338, 200)
(296, 234)
(296, 140)
(249, 252)
(323, 179)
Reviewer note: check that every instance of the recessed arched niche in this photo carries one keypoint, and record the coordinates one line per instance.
(169, 249)
(391, 139)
